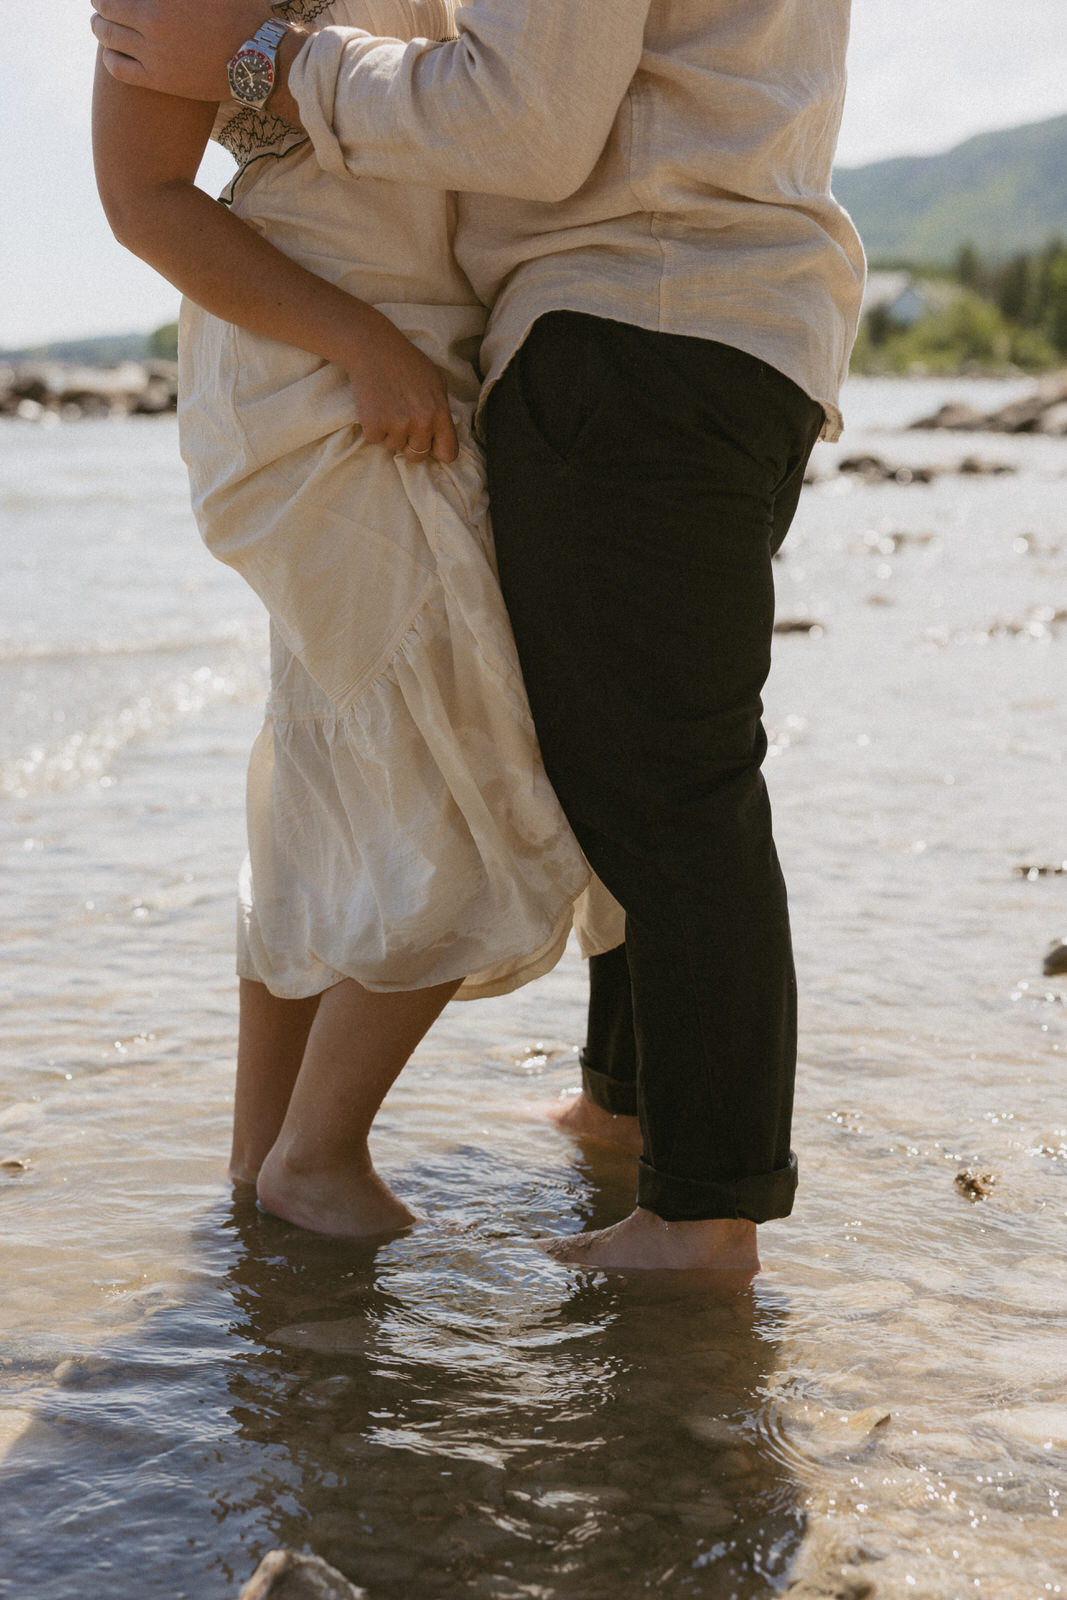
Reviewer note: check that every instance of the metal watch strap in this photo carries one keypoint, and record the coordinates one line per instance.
(256, 54)
(268, 36)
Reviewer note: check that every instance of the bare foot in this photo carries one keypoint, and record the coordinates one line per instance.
(578, 1115)
(349, 1202)
(645, 1240)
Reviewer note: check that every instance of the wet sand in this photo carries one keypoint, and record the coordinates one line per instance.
(187, 1384)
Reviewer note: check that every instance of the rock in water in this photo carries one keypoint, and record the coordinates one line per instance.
(1055, 958)
(1044, 410)
(872, 469)
(284, 1575)
(954, 415)
(974, 1184)
(799, 625)
(978, 467)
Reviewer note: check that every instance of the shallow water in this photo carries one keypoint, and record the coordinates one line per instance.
(187, 1384)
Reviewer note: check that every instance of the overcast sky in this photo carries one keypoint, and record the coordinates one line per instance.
(925, 74)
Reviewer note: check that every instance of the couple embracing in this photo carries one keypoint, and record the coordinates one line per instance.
(639, 193)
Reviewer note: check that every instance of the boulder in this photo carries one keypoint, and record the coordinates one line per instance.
(872, 469)
(131, 389)
(1044, 410)
(954, 415)
(1020, 416)
(1054, 420)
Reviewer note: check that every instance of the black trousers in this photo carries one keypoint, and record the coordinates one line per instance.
(640, 483)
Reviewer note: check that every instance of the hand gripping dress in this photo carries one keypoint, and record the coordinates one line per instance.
(401, 829)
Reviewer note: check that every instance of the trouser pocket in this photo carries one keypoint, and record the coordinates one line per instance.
(566, 374)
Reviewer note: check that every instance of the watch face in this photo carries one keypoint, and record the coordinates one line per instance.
(251, 76)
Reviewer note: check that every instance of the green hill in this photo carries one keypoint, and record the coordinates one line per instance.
(105, 350)
(1002, 192)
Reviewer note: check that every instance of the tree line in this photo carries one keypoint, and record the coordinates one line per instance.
(1029, 290)
(983, 314)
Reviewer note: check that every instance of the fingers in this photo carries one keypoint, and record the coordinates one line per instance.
(393, 435)
(434, 439)
(105, 11)
(178, 48)
(117, 11)
(419, 444)
(445, 444)
(121, 50)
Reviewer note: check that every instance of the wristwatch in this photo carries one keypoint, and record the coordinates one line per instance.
(251, 69)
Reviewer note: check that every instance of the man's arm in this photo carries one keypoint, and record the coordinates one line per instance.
(520, 104)
(147, 148)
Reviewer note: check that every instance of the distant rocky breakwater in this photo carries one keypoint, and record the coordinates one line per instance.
(52, 390)
(1044, 410)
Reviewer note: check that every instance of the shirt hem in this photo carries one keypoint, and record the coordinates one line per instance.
(726, 333)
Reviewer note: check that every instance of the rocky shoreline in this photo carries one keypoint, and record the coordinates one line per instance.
(36, 391)
(1044, 410)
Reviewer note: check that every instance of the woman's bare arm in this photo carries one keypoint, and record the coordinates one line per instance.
(147, 148)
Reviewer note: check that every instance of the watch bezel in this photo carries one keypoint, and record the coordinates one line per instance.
(264, 68)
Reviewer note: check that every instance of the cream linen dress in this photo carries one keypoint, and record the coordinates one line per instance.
(401, 829)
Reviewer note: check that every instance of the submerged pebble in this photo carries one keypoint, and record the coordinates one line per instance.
(326, 1392)
(342, 1336)
(88, 1372)
(285, 1575)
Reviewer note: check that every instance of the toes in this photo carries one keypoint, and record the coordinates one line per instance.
(572, 1247)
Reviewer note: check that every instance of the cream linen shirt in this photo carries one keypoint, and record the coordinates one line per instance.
(659, 162)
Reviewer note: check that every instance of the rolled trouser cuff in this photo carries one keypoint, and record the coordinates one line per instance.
(758, 1199)
(610, 1094)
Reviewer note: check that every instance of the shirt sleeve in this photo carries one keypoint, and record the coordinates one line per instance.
(519, 103)
(407, 19)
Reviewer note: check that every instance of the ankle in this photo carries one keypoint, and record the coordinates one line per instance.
(728, 1240)
(581, 1117)
(297, 1159)
(246, 1158)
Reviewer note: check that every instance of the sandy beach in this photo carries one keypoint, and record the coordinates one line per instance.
(187, 1384)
